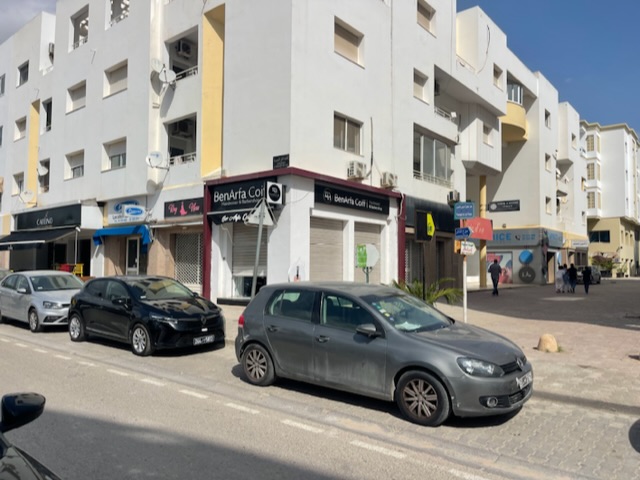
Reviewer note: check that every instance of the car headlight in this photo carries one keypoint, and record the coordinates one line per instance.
(52, 305)
(479, 368)
(163, 319)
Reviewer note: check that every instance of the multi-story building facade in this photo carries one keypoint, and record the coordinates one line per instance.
(613, 194)
(139, 138)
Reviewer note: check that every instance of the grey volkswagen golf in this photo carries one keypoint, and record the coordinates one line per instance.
(381, 342)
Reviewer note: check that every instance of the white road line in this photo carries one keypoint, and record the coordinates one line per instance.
(39, 350)
(375, 448)
(302, 426)
(242, 408)
(465, 475)
(21, 345)
(152, 382)
(5, 340)
(87, 364)
(117, 372)
(62, 357)
(194, 394)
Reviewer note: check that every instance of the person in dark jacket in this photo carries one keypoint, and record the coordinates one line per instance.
(586, 278)
(573, 278)
(495, 270)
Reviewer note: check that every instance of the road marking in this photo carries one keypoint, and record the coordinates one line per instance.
(39, 350)
(242, 408)
(375, 448)
(194, 394)
(465, 475)
(4, 340)
(21, 345)
(152, 382)
(302, 426)
(62, 357)
(117, 372)
(87, 364)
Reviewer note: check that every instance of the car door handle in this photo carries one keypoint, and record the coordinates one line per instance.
(272, 328)
(322, 339)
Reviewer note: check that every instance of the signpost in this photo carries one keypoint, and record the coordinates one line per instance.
(367, 256)
(464, 211)
(462, 233)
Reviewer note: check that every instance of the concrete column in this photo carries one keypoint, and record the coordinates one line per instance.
(482, 207)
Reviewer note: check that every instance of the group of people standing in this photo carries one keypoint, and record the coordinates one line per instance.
(567, 279)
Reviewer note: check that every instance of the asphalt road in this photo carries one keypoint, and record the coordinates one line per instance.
(183, 415)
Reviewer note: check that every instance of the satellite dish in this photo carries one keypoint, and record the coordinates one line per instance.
(157, 65)
(42, 170)
(155, 160)
(169, 77)
(26, 196)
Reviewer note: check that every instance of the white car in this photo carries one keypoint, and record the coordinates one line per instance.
(596, 275)
(38, 297)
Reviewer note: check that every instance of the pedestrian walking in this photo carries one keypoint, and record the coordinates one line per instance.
(559, 281)
(495, 270)
(586, 277)
(566, 285)
(573, 278)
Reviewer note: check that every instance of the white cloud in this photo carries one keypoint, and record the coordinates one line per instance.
(17, 13)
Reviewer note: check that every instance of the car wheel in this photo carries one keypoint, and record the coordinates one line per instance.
(422, 399)
(141, 341)
(76, 329)
(34, 322)
(258, 366)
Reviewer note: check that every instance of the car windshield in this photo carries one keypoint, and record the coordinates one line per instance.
(49, 283)
(158, 289)
(408, 314)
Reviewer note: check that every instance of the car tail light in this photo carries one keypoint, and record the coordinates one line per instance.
(241, 320)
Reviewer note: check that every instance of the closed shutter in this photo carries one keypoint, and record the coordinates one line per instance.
(367, 233)
(245, 239)
(326, 249)
(188, 260)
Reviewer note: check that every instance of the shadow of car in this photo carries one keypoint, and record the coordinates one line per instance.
(38, 297)
(596, 274)
(18, 410)
(382, 343)
(147, 312)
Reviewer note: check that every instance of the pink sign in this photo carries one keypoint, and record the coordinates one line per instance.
(481, 228)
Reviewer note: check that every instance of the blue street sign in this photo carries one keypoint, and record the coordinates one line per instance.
(462, 232)
(463, 210)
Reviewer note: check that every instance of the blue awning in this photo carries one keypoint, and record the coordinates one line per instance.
(142, 230)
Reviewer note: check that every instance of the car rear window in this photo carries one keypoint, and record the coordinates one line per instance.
(292, 303)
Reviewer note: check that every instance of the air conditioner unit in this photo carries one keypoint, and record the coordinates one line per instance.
(183, 49)
(52, 48)
(453, 197)
(356, 170)
(389, 180)
(183, 128)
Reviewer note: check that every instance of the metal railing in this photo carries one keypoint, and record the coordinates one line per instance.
(180, 159)
(119, 18)
(187, 73)
(81, 41)
(433, 179)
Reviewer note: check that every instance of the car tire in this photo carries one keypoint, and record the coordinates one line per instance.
(258, 366)
(34, 322)
(141, 341)
(422, 399)
(76, 329)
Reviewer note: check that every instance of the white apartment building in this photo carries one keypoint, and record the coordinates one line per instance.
(613, 194)
(139, 138)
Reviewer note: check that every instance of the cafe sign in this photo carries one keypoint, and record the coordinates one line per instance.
(233, 202)
(68, 216)
(340, 197)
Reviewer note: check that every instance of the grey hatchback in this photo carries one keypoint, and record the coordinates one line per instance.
(381, 342)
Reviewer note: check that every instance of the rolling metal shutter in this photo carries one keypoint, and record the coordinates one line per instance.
(368, 233)
(188, 260)
(326, 249)
(245, 239)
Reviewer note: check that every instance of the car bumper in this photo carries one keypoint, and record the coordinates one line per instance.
(54, 317)
(473, 396)
(167, 337)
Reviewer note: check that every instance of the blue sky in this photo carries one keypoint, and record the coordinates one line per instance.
(587, 49)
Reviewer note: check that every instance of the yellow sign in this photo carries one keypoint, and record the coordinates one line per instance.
(431, 227)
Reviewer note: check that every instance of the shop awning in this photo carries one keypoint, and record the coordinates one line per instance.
(33, 238)
(142, 230)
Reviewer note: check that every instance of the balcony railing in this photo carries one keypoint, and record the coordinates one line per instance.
(81, 41)
(444, 114)
(180, 159)
(119, 18)
(187, 73)
(433, 179)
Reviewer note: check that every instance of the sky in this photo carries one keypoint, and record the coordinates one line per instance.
(586, 48)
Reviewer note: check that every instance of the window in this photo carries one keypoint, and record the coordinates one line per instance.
(119, 11)
(602, 236)
(591, 171)
(340, 312)
(590, 143)
(77, 97)
(574, 141)
(0, 135)
(497, 76)
(292, 303)
(347, 42)
(18, 184)
(115, 79)
(515, 93)
(547, 201)
(547, 119)
(426, 16)
(80, 25)
(75, 165)
(21, 128)
(2, 77)
(420, 86)
(591, 199)
(43, 175)
(23, 73)
(487, 134)
(547, 162)
(115, 154)
(46, 108)
(431, 158)
(346, 134)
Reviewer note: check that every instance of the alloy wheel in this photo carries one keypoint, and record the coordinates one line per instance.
(420, 398)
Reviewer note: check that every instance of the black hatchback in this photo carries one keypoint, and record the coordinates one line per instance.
(148, 312)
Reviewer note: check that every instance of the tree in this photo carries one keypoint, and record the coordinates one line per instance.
(434, 291)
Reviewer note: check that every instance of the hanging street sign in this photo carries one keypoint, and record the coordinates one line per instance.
(463, 210)
(467, 248)
(367, 255)
(462, 232)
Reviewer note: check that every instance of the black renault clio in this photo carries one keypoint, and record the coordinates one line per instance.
(148, 312)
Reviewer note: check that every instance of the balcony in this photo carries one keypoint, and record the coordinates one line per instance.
(514, 123)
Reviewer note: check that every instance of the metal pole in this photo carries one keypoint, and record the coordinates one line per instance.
(75, 259)
(464, 288)
(255, 265)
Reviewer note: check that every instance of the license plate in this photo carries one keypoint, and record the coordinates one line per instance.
(203, 340)
(524, 380)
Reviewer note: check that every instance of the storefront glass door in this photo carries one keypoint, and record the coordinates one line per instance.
(133, 256)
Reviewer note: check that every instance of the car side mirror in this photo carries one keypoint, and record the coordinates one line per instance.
(121, 301)
(23, 290)
(18, 409)
(368, 329)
